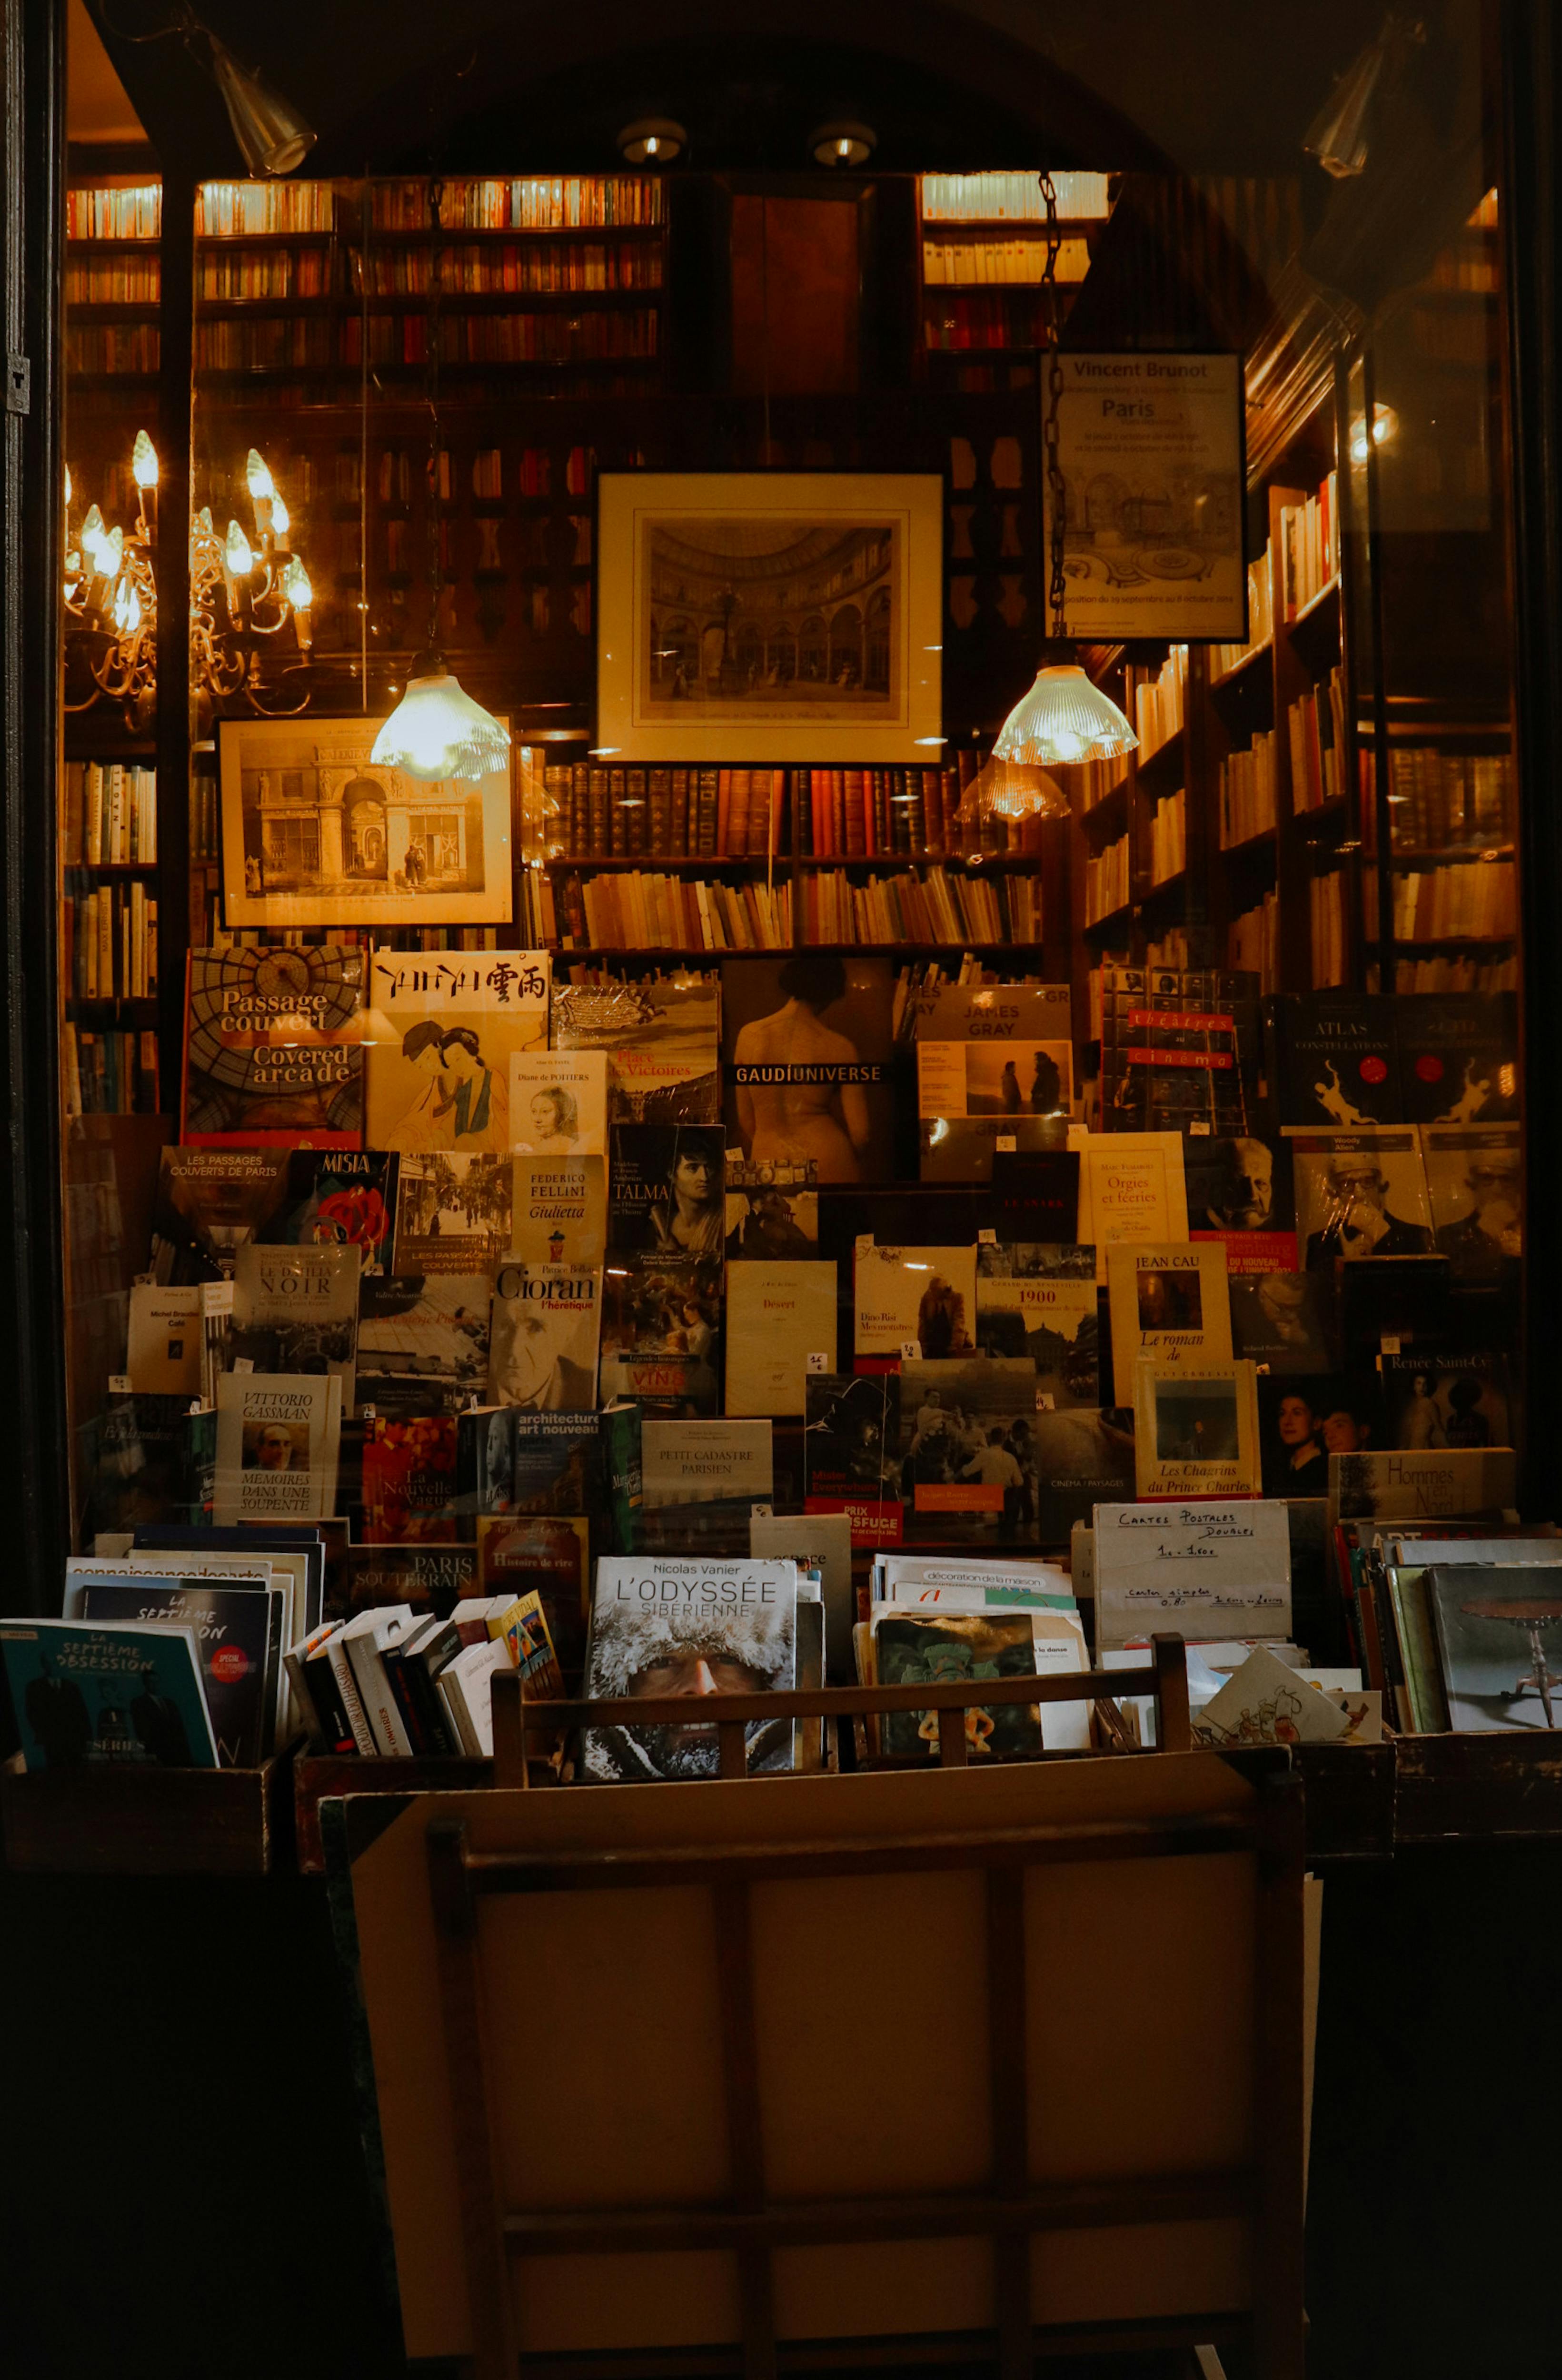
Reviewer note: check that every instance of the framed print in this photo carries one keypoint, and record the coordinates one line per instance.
(779, 616)
(1151, 449)
(315, 835)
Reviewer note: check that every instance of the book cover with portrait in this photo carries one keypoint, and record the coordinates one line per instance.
(558, 1103)
(546, 1325)
(442, 1028)
(277, 1438)
(665, 1189)
(662, 1332)
(806, 1060)
(691, 1630)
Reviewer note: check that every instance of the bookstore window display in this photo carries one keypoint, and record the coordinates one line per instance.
(549, 1172)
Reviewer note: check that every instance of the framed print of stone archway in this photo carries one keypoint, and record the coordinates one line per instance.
(315, 835)
(770, 615)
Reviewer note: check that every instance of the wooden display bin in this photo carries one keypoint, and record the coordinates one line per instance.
(150, 1821)
(326, 1775)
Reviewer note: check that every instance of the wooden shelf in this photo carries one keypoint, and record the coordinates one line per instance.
(104, 1820)
(504, 301)
(1165, 769)
(988, 864)
(1112, 921)
(450, 237)
(1244, 669)
(661, 863)
(1265, 840)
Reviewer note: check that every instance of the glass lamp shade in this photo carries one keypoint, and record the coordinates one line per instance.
(272, 136)
(436, 732)
(1012, 789)
(1063, 721)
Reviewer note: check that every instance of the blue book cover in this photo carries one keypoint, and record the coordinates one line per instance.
(84, 1694)
(239, 1645)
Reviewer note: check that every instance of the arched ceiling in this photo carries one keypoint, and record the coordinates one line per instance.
(497, 85)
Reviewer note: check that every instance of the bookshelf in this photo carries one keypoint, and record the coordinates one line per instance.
(981, 253)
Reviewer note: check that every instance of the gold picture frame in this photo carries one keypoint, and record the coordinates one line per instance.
(770, 616)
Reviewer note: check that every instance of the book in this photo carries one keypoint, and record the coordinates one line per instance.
(443, 1028)
(466, 1685)
(1040, 1301)
(82, 1694)
(1475, 1192)
(277, 1446)
(924, 1297)
(1278, 1320)
(1168, 1302)
(822, 1542)
(1238, 1185)
(1445, 1398)
(807, 1042)
(966, 1148)
(296, 1310)
(423, 1342)
(335, 1198)
(272, 1049)
(777, 1317)
(295, 1552)
(1178, 1050)
(558, 1103)
(209, 1201)
(851, 1452)
(427, 1577)
(163, 1357)
(705, 1463)
(558, 1210)
(524, 1630)
(452, 1211)
(134, 1463)
(1333, 1061)
(1458, 1057)
(546, 1554)
(1131, 1191)
(409, 1489)
(660, 1332)
(1083, 1458)
(546, 1325)
(772, 1210)
(1305, 1417)
(1265, 1701)
(1209, 1569)
(968, 1450)
(510, 1459)
(1196, 1430)
(916, 1648)
(238, 1636)
(993, 1050)
(1036, 1196)
(1361, 1193)
(1408, 1487)
(693, 1629)
(660, 1038)
(1500, 1635)
(665, 1189)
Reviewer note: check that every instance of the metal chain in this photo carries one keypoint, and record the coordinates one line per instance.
(437, 578)
(1056, 494)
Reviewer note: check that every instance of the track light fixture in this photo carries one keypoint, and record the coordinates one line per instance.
(843, 143)
(1337, 135)
(271, 136)
(654, 141)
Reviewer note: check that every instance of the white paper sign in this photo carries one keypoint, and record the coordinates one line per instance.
(1220, 1569)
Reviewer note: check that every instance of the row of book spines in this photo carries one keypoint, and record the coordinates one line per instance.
(215, 936)
(110, 1074)
(544, 203)
(1325, 900)
(1252, 940)
(1309, 537)
(932, 908)
(110, 815)
(465, 338)
(512, 272)
(1248, 783)
(1475, 897)
(108, 943)
(647, 912)
(1161, 704)
(1446, 973)
(1315, 725)
(735, 813)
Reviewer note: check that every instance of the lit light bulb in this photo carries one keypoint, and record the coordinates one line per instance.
(281, 519)
(437, 733)
(296, 585)
(237, 554)
(144, 462)
(110, 552)
(92, 536)
(256, 476)
(653, 146)
(204, 522)
(67, 483)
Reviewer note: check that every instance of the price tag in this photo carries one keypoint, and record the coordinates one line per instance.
(817, 1363)
(1046, 1402)
(216, 1297)
(761, 1513)
(986, 1238)
(471, 1402)
(1200, 1130)
(196, 1406)
(146, 1281)
(1388, 1344)
(368, 1412)
(864, 1243)
(243, 1363)
(119, 1384)
(910, 1351)
(734, 1157)
(1008, 1142)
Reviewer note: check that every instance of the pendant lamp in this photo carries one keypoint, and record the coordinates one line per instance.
(437, 733)
(1064, 719)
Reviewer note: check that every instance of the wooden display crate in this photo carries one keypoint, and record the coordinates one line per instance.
(325, 1776)
(106, 1820)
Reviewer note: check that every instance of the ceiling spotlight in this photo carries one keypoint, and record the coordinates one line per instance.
(1337, 135)
(655, 140)
(843, 144)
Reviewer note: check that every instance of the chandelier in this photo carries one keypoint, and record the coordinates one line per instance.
(249, 603)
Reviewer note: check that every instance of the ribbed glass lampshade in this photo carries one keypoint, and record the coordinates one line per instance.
(1063, 721)
(436, 732)
(1012, 789)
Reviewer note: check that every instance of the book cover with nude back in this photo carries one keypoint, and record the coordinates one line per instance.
(806, 1049)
